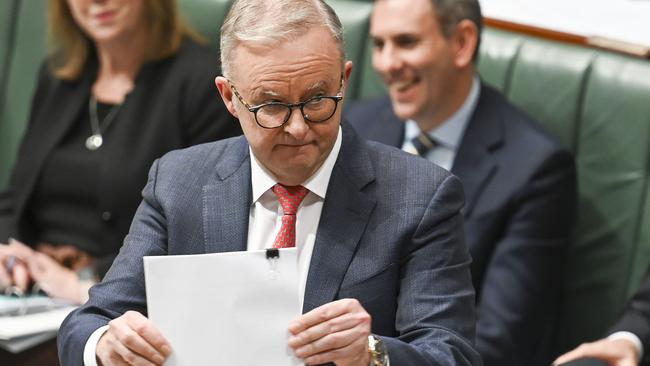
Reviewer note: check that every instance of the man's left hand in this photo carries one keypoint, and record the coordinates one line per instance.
(335, 332)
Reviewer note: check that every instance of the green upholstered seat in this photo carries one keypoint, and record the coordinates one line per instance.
(7, 23)
(598, 104)
(498, 51)
(547, 81)
(609, 257)
(355, 17)
(27, 53)
(206, 17)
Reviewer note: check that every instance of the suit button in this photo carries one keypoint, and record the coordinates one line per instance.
(107, 216)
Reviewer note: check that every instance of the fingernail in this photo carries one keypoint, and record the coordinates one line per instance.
(158, 359)
(166, 350)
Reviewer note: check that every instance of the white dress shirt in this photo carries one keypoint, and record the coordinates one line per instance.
(447, 135)
(265, 220)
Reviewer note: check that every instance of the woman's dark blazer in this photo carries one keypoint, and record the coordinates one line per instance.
(174, 104)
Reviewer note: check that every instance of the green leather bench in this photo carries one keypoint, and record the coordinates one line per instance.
(596, 102)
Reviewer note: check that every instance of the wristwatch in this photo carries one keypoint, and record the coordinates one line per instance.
(378, 352)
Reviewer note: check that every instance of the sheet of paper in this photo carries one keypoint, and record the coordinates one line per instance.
(225, 308)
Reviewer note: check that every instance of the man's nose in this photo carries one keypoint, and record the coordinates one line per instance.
(296, 126)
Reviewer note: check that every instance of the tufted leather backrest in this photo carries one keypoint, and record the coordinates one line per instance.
(25, 56)
(598, 104)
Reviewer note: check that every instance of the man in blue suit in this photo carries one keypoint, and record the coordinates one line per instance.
(519, 183)
(388, 280)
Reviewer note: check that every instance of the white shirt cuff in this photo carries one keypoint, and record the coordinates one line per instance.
(632, 338)
(90, 359)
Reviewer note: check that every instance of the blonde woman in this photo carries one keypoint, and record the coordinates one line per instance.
(125, 83)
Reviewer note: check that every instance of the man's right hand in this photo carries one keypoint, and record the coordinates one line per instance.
(132, 339)
(616, 352)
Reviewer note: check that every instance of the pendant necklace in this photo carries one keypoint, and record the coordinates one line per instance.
(95, 141)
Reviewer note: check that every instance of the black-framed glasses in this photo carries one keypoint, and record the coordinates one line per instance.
(276, 114)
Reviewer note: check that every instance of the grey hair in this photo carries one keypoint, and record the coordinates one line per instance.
(267, 22)
(451, 12)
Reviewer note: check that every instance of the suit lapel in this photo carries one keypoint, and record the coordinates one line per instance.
(226, 205)
(345, 214)
(475, 164)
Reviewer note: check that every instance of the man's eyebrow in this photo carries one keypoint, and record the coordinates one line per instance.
(263, 93)
(317, 85)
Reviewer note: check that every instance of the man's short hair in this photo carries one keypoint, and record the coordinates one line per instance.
(267, 22)
(451, 12)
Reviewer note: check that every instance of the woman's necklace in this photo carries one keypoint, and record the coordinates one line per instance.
(95, 141)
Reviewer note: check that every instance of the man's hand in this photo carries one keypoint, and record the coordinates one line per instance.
(616, 352)
(335, 332)
(132, 339)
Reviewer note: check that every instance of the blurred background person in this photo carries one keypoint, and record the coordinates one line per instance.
(520, 184)
(126, 82)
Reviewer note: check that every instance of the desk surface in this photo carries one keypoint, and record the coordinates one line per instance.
(622, 20)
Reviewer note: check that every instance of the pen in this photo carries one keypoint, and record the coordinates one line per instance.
(11, 263)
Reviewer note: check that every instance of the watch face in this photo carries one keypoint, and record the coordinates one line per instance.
(377, 350)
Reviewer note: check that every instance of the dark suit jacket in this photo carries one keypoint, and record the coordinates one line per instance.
(174, 104)
(520, 190)
(636, 319)
(393, 244)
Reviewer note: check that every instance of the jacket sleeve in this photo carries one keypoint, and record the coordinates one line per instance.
(436, 316)
(519, 301)
(636, 318)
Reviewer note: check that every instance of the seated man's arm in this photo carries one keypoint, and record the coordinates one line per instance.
(435, 316)
(520, 295)
(122, 289)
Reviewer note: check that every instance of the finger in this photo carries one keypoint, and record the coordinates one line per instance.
(137, 345)
(352, 351)
(5, 277)
(338, 324)
(19, 249)
(133, 358)
(149, 333)
(21, 276)
(330, 342)
(321, 314)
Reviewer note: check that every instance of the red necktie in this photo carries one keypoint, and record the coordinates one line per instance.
(290, 198)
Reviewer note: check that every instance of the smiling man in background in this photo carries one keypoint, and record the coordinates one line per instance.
(519, 183)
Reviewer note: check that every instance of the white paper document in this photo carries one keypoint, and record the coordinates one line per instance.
(225, 308)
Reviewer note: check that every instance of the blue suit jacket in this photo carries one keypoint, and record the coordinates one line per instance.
(384, 238)
(519, 215)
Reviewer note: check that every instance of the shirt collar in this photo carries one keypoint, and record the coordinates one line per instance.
(263, 180)
(450, 132)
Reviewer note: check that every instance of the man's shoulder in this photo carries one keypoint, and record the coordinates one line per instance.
(403, 169)
(204, 158)
(367, 111)
(521, 130)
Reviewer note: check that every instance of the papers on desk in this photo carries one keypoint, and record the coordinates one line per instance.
(40, 321)
(225, 308)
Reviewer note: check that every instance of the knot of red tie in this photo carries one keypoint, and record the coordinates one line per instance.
(290, 198)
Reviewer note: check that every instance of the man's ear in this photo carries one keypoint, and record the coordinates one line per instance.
(465, 40)
(226, 94)
(347, 71)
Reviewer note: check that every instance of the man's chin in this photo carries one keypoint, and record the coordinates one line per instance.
(404, 111)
